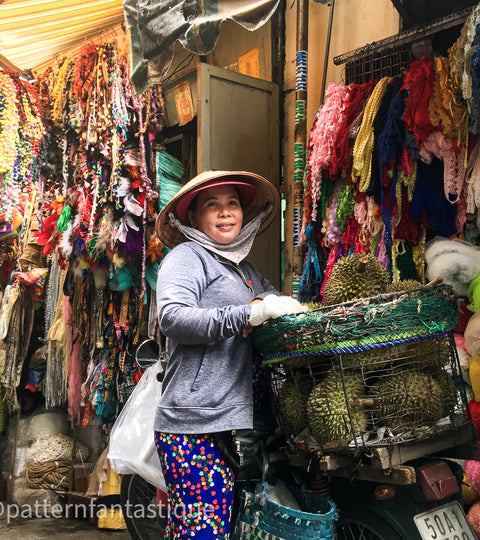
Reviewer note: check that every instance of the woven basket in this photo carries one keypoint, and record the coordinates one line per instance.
(359, 325)
(261, 517)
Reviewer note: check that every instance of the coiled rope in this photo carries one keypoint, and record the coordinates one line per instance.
(49, 475)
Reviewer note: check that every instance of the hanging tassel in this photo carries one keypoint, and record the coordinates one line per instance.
(169, 171)
(64, 218)
(308, 290)
(120, 279)
(65, 246)
(133, 246)
(105, 238)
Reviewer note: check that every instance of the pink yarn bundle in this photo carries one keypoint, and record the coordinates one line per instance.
(472, 472)
(324, 136)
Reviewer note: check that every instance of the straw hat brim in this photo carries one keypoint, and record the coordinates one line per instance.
(266, 194)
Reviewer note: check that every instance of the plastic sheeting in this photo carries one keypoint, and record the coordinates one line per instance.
(153, 27)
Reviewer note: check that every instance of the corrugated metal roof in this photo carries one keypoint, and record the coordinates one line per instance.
(32, 32)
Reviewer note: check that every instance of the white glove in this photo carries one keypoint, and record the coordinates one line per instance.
(273, 306)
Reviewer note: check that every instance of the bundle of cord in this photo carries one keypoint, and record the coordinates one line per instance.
(169, 171)
(53, 475)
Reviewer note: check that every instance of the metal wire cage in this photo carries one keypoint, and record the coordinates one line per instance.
(390, 394)
(387, 63)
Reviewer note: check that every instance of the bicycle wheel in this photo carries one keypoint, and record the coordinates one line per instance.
(367, 527)
(144, 518)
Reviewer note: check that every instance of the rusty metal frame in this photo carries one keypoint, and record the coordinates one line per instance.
(407, 37)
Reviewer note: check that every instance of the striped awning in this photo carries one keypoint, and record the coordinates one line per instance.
(34, 31)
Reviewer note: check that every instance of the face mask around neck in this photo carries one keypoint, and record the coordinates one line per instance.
(234, 251)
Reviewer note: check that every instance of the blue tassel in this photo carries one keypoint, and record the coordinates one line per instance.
(311, 269)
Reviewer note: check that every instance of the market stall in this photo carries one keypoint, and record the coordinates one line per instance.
(389, 205)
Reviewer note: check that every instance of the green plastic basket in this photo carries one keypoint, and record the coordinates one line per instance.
(261, 517)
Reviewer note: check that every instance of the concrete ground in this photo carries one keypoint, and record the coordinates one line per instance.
(46, 528)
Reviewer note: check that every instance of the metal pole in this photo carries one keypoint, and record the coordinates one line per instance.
(327, 50)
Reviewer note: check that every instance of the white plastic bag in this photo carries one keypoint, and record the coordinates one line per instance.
(132, 448)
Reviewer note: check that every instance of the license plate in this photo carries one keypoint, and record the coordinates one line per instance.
(447, 522)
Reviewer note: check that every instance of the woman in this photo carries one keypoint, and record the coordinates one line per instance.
(208, 300)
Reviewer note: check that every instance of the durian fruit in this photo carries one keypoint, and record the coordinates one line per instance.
(403, 285)
(424, 355)
(406, 400)
(328, 415)
(355, 276)
(432, 354)
(369, 360)
(292, 401)
(310, 306)
(429, 354)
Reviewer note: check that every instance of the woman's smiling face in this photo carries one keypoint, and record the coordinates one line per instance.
(218, 213)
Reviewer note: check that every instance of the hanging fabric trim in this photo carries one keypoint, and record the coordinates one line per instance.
(362, 150)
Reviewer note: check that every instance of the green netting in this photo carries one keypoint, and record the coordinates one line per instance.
(383, 319)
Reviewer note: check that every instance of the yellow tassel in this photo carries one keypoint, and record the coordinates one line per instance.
(83, 263)
(418, 253)
(474, 372)
(363, 147)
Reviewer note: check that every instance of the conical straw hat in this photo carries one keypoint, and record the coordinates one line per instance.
(266, 194)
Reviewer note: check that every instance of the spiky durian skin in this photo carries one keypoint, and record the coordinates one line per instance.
(403, 285)
(368, 361)
(327, 411)
(406, 400)
(355, 276)
(310, 306)
(292, 401)
(428, 354)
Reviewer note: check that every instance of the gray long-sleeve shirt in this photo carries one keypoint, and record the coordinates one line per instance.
(203, 307)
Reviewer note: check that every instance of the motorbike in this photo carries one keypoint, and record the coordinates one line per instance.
(416, 495)
(428, 509)
(421, 500)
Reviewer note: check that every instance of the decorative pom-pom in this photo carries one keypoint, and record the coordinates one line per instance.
(472, 474)
(473, 517)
